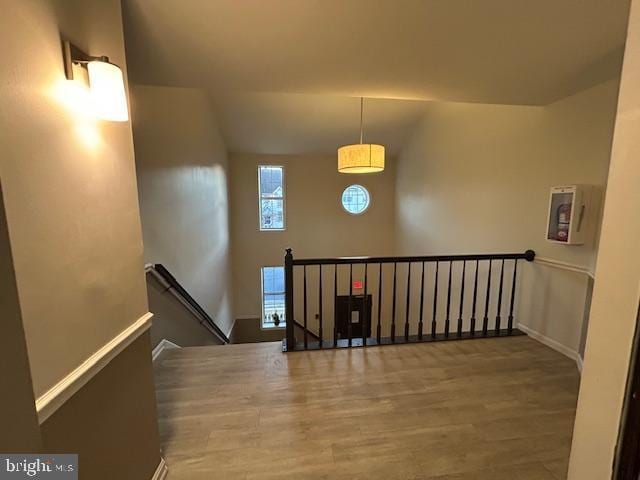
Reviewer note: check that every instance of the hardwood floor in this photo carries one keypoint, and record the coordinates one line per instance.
(476, 409)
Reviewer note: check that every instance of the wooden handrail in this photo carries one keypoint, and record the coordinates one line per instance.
(529, 255)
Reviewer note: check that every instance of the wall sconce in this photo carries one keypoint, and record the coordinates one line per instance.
(106, 83)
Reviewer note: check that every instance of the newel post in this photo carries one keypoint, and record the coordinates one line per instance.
(288, 299)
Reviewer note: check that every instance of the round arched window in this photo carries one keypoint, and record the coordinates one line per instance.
(355, 199)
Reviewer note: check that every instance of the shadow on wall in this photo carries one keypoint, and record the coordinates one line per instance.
(173, 321)
(181, 164)
(20, 432)
(585, 316)
(208, 232)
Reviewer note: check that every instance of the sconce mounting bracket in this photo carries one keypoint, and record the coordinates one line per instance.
(73, 54)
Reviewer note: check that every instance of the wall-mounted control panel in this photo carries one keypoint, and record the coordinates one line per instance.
(572, 214)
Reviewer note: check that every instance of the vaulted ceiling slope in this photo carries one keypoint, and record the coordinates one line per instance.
(286, 124)
(528, 52)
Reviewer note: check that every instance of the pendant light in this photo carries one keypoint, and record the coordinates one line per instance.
(361, 157)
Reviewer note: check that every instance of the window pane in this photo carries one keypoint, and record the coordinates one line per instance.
(272, 214)
(273, 304)
(355, 199)
(273, 280)
(271, 197)
(271, 182)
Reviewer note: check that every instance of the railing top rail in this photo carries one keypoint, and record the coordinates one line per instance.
(529, 255)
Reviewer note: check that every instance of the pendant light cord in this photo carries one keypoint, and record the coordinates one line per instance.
(361, 109)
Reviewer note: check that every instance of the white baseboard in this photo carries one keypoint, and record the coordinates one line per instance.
(233, 325)
(579, 362)
(551, 343)
(161, 471)
(56, 396)
(161, 347)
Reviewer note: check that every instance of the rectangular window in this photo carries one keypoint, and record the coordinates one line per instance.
(273, 297)
(271, 197)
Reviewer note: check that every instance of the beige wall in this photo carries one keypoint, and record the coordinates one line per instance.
(475, 178)
(74, 227)
(616, 292)
(317, 225)
(19, 432)
(114, 430)
(70, 190)
(249, 330)
(182, 174)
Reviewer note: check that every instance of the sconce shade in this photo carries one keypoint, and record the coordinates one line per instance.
(361, 158)
(106, 84)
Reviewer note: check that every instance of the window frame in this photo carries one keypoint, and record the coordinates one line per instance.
(283, 325)
(283, 198)
(366, 190)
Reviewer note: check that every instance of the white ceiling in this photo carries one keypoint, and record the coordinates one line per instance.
(279, 71)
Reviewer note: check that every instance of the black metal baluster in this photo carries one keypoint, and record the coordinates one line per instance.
(435, 303)
(288, 299)
(498, 318)
(304, 305)
(464, 270)
(320, 306)
(393, 311)
(475, 297)
(335, 306)
(379, 329)
(446, 320)
(485, 320)
(365, 314)
(420, 324)
(358, 304)
(406, 321)
(349, 326)
(513, 296)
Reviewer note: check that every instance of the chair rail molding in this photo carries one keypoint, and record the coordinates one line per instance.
(62, 391)
(550, 262)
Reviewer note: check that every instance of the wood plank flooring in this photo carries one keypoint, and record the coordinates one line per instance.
(498, 409)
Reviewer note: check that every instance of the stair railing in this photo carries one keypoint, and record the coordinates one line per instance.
(469, 282)
(162, 274)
